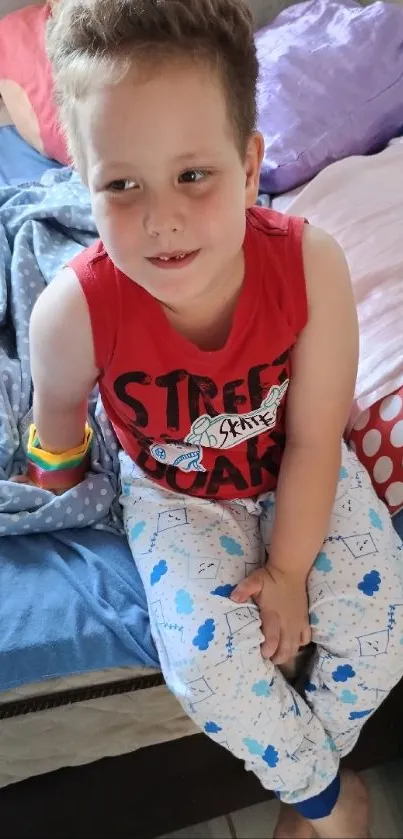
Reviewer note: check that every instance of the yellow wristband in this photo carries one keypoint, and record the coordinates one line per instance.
(63, 460)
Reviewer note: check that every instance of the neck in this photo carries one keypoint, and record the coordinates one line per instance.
(208, 319)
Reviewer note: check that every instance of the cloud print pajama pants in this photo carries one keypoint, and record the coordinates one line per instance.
(191, 552)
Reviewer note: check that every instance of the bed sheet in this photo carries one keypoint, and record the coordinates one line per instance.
(70, 602)
(359, 201)
(42, 226)
(19, 162)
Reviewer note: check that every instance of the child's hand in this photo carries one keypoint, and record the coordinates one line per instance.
(283, 604)
(24, 479)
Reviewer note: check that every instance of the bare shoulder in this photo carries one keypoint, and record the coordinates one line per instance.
(61, 298)
(60, 331)
(325, 265)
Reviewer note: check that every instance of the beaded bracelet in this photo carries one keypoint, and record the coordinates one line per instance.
(57, 471)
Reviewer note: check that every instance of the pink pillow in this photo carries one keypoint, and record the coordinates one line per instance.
(26, 81)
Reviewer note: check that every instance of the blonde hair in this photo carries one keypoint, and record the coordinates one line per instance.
(93, 42)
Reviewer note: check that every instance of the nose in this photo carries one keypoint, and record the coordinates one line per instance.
(163, 215)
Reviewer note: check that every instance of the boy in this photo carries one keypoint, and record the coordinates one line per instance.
(224, 342)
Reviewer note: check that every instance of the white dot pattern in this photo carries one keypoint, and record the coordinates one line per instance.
(383, 469)
(371, 442)
(394, 493)
(362, 421)
(390, 407)
(35, 242)
(396, 435)
(378, 440)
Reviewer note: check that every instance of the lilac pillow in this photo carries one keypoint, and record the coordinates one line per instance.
(330, 85)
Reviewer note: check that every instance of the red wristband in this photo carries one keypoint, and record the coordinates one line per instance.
(55, 479)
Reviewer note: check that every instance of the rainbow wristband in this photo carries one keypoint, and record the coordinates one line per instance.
(57, 471)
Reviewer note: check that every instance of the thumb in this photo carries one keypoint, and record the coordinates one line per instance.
(249, 587)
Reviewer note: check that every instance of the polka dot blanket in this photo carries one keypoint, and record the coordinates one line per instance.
(42, 226)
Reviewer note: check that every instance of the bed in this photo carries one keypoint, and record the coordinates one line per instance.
(91, 741)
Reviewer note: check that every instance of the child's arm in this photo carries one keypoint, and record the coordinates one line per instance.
(62, 363)
(324, 368)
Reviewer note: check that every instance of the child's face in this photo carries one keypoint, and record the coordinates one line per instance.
(167, 179)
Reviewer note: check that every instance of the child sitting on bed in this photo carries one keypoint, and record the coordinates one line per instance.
(223, 338)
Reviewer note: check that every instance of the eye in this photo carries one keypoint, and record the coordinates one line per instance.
(121, 185)
(193, 176)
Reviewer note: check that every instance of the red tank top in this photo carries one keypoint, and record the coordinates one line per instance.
(203, 423)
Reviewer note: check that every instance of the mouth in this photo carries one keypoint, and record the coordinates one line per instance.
(177, 259)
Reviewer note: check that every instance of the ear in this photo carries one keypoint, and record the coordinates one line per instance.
(253, 162)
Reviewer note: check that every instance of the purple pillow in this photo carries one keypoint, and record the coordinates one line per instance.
(330, 85)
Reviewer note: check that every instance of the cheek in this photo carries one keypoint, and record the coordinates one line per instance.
(221, 217)
(119, 227)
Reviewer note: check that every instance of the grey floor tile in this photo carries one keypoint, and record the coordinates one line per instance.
(386, 786)
(214, 829)
(256, 822)
(386, 789)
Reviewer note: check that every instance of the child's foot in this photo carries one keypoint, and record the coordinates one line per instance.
(350, 817)
(291, 825)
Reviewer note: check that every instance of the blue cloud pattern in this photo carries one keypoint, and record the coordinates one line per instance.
(212, 728)
(205, 635)
(223, 591)
(323, 563)
(370, 583)
(231, 546)
(137, 530)
(183, 602)
(270, 756)
(348, 697)
(358, 715)
(343, 672)
(253, 747)
(158, 571)
(375, 519)
(262, 688)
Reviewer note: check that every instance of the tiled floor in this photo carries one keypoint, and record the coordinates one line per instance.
(386, 787)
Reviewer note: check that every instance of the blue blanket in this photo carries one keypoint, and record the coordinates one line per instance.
(42, 226)
(70, 602)
(19, 162)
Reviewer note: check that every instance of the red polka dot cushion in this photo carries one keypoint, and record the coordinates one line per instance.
(377, 438)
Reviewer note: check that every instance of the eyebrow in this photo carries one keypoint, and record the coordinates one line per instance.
(187, 157)
(194, 155)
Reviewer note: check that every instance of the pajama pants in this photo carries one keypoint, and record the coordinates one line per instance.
(191, 552)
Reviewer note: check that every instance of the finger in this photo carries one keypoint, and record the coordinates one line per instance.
(249, 587)
(272, 633)
(21, 479)
(286, 650)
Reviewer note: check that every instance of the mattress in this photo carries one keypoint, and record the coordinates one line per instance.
(79, 719)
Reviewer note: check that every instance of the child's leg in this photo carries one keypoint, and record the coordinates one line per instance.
(356, 610)
(190, 553)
